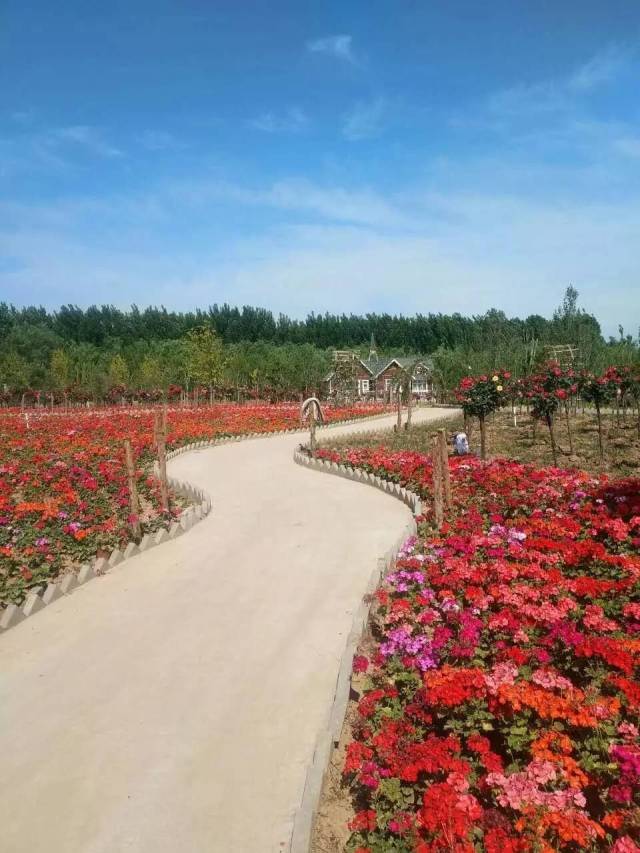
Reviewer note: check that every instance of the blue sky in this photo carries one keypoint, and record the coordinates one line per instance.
(343, 156)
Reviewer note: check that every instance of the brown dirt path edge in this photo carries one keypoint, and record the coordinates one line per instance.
(175, 702)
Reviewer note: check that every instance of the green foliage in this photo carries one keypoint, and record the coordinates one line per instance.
(60, 368)
(14, 371)
(74, 348)
(205, 356)
(480, 396)
(118, 371)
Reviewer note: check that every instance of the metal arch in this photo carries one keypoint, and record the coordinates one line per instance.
(311, 406)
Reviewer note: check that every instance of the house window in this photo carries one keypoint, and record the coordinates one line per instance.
(387, 384)
(363, 386)
(420, 386)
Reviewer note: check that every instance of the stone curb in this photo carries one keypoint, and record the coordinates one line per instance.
(35, 601)
(251, 436)
(329, 735)
(411, 499)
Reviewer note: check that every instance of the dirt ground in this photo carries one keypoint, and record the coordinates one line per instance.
(527, 442)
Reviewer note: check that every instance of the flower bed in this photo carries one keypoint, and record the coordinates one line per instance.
(498, 707)
(63, 486)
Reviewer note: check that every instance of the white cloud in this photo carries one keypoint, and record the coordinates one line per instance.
(602, 68)
(23, 116)
(158, 140)
(366, 251)
(629, 145)
(339, 46)
(561, 94)
(365, 120)
(293, 120)
(85, 136)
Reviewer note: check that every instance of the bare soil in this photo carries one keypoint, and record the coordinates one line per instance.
(523, 439)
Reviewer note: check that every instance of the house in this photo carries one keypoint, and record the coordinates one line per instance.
(376, 378)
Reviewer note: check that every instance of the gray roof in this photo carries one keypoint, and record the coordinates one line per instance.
(377, 365)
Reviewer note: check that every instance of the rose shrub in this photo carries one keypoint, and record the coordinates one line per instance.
(480, 396)
(499, 709)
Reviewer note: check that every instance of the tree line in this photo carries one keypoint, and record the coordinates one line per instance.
(96, 349)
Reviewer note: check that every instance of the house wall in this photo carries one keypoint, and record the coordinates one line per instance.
(379, 387)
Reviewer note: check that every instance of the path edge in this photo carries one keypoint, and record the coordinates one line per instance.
(38, 598)
(329, 735)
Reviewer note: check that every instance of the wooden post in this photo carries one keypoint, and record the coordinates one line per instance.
(312, 428)
(446, 474)
(436, 461)
(165, 428)
(134, 501)
(156, 428)
(162, 465)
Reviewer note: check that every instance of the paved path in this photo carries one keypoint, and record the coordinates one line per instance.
(172, 705)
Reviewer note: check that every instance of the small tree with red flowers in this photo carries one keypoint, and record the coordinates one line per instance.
(544, 405)
(599, 390)
(480, 396)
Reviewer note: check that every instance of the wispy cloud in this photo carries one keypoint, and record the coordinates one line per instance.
(365, 120)
(602, 68)
(89, 138)
(23, 116)
(56, 149)
(563, 93)
(293, 120)
(628, 145)
(158, 140)
(340, 46)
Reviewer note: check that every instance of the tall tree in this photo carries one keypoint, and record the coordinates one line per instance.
(206, 357)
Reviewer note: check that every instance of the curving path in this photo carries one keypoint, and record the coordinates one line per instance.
(173, 704)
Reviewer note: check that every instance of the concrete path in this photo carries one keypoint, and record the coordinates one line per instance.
(172, 705)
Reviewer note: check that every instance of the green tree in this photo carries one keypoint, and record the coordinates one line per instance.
(150, 375)
(60, 367)
(14, 371)
(206, 357)
(118, 371)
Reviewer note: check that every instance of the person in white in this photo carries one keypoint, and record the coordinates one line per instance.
(461, 444)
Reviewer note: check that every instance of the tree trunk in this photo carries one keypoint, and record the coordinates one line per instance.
(483, 437)
(554, 451)
(399, 425)
(407, 426)
(600, 442)
(568, 422)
